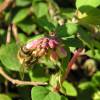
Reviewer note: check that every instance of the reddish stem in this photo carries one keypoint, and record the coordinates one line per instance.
(72, 61)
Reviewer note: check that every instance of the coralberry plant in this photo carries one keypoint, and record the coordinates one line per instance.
(49, 49)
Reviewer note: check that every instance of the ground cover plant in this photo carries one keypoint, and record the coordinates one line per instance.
(49, 49)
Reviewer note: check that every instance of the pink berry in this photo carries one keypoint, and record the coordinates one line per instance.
(52, 43)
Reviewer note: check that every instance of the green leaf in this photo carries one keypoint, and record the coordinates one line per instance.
(96, 44)
(86, 92)
(92, 15)
(96, 78)
(71, 28)
(69, 12)
(2, 35)
(55, 96)
(39, 74)
(85, 85)
(95, 54)
(42, 93)
(21, 15)
(91, 20)
(85, 37)
(67, 30)
(55, 79)
(23, 2)
(69, 89)
(39, 93)
(46, 61)
(93, 3)
(22, 38)
(4, 97)
(73, 42)
(8, 56)
(34, 1)
(40, 9)
(96, 95)
(44, 23)
(27, 25)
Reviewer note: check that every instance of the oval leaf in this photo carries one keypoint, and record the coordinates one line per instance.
(69, 89)
(21, 14)
(8, 56)
(42, 93)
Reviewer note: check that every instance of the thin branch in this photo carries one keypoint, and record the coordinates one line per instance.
(8, 37)
(72, 61)
(15, 32)
(4, 5)
(19, 82)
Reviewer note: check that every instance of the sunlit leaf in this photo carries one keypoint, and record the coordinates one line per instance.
(42, 93)
(21, 15)
(4, 97)
(27, 25)
(96, 78)
(95, 54)
(23, 2)
(40, 9)
(67, 30)
(8, 56)
(93, 3)
(69, 89)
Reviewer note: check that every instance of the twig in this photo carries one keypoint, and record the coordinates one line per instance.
(15, 33)
(72, 61)
(4, 5)
(8, 37)
(19, 82)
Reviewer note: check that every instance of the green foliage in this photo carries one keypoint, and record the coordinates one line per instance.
(5, 97)
(93, 3)
(95, 55)
(92, 13)
(86, 91)
(42, 92)
(27, 26)
(67, 30)
(6, 53)
(23, 3)
(44, 23)
(40, 9)
(39, 74)
(96, 79)
(75, 25)
(21, 15)
(69, 89)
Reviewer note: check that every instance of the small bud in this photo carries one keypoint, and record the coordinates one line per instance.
(52, 43)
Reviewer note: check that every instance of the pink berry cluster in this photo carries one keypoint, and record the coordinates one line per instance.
(47, 47)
